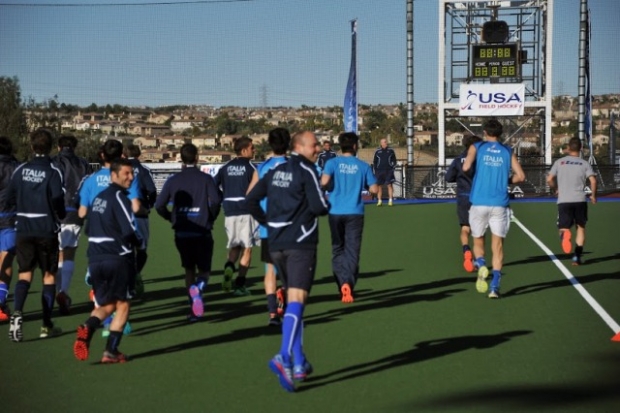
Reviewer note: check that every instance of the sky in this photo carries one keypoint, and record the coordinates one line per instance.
(253, 52)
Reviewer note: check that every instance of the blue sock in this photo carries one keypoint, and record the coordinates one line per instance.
(292, 322)
(480, 262)
(497, 277)
(298, 346)
(4, 292)
(47, 303)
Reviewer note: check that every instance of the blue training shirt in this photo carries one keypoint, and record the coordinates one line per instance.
(263, 168)
(349, 176)
(490, 185)
(93, 184)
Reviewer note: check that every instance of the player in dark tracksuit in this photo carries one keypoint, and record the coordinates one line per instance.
(463, 181)
(74, 169)
(196, 205)
(147, 197)
(383, 164)
(8, 163)
(37, 190)
(112, 236)
(295, 201)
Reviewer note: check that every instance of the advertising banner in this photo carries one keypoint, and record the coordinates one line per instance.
(499, 99)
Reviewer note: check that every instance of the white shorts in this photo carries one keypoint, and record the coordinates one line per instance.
(69, 236)
(242, 231)
(483, 217)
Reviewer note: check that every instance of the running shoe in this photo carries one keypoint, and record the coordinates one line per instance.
(82, 342)
(576, 261)
(347, 294)
(64, 303)
(112, 358)
(241, 291)
(283, 371)
(468, 261)
(567, 245)
(301, 372)
(87, 279)
(390, 203)
(379, 203)
(197, 304)
(15, 327)
(47, 332)
(494, 293)
(5, 314)
(281, 298)
(481, 281)
(274, 320)
(229, 270)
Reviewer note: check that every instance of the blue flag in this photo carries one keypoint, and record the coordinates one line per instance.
(350, 98)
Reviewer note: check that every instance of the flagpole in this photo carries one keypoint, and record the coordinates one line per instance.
(581, 91)
(350, 107)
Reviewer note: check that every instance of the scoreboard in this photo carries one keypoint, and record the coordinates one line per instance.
(494, 61)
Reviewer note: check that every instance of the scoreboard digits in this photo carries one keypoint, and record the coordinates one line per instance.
(495, 61)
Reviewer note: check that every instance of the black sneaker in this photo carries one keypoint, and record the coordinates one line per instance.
(15, 327)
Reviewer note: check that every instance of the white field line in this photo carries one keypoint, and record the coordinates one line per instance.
(584, 293)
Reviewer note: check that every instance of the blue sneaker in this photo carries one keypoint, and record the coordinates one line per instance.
(197, 305)
(283, 371)
(127, 329)
(301, 372)
(87, 279)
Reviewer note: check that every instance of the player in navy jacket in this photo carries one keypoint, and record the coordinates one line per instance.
(463, 181)
(295, 201)
(195, 207)
(112, 236)
(37, 190)
(8, 163)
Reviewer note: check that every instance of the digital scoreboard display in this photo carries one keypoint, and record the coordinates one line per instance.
(497, 60)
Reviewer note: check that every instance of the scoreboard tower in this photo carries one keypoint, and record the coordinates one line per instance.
(495, 42)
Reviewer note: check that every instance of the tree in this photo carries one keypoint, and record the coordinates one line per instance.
(12, 117)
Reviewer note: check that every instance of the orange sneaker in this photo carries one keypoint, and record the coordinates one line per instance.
(82, 343)
(347, 296)
(111, 358)
(281, 301)
(4, 313)
(567, 245)
(468, 261)
(91, 295)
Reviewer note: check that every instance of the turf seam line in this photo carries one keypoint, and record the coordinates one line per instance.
(569, 276)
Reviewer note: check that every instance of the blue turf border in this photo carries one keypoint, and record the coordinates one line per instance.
(453, 200)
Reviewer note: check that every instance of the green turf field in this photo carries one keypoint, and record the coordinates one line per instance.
(419, 338)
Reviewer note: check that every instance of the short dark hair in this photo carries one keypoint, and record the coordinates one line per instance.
(189, 154)
(41, 141)
(6, 146)
(469, 140)
(493, 128)
(118, 163)
(574, 144)
(279, 139)
(67, 141)
(132, 151)
(241, 143)
(347, 142)
(111, 150)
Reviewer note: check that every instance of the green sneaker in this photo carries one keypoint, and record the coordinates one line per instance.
(481, 284)
(47, 332)
(228, 274)
(241, 292)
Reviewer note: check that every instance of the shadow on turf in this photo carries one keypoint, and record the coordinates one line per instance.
(585, 279)
(586, 395)
(422, 351)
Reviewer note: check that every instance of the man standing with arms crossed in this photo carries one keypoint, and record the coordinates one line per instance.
(295, 203)
(37, 190)
(74, 169)
(327, 154)
(234, 178)
(384, 162)
(568, 175)
(350, 177)
(490, 201)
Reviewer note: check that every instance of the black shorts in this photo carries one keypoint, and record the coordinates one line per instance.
(296, 268)
(462, 210)
(195, 252)
(111, 279)
(572, 213)
(264, 251)
(37, 251)
(384, 176)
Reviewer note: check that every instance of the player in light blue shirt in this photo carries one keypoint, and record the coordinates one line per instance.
(279, 139)
(346, 177)
(489, 199)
